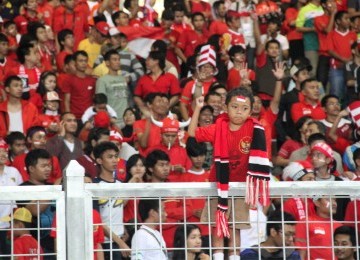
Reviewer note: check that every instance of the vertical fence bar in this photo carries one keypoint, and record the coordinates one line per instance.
(75, 211)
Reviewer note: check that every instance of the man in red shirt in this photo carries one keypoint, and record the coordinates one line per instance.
(340, 41)
(80, 88)
(29, 14)
(323, 25)
(317, 231)
(310, 106)
(147, 133)
(190, 39)
(218, 25)
(179, 25)
(66, 42)
(28, 70)
(233, 22)
(71, 16)
(156, 81)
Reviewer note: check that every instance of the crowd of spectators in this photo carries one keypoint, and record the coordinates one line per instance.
(227, 91)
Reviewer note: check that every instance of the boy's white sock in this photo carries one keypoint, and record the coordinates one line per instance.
(234, 257)
(218, 256)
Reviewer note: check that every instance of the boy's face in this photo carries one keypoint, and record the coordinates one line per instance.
(168, 139)
(15, 89)
(114, 62)
(38, 140)
(31, 5)
(42, 170)
(18, 225)
(160, 105)
(206, 118)
(34, 56)
(52, 105)
(70, 67)
(302, 75)
(272, 28)
(256, 106)
(18, 147)
(166, 23)
(4, 47)
(70, 123)
(221, 11)
(319, 159)
(81, 63)
(108, 160)
(326, 206)
(215, 102)
(198, 23)
(41, 35)
(123, 20)
(239, 109)
(69, 41)
(179, 17)
(198, 161)
(312, 90)
(344, 243)
(161, 170)
(344, 22)
(273, 50)
(239, 57)
(332, 107)
(11, 30)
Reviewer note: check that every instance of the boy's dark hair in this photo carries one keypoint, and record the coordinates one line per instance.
(240, 92)
(303, 84)
(14, 136)
(195, 149)
(178, 8)
(62, 35)
(197, 14)
(274, 20)
(277, 219)
(146, 205)
(127, 4)
(23, 50)
(209, 94)
(159, 45)
(109, 53)
(217, 4)
(159, 56)
(34, 155)
(272, 41)
(151, 97)
(10, 79)
(316, 137)
(68, 58)
(325, 99)
(168, 15)
(339, 15)
(101, 148)
(32, 28)
(32, 130)
(320, 126)
(346, 230)
(94, 134)
(3, 38)
(80, 53)
(154, 157)
(216, 85)
(234, 50)
(356, 155)
(8, 23)
(207, 107)
(100, 98)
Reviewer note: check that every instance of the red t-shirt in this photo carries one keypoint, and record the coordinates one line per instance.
(26, 244)
(166, 83)
(201, 7)
(22, 22)
(320, 23)
(189, 40)
(154, 135)
(218, 27)
(197, 203)
(299, 209)
(234, 78)
(47, 11)
(290, 31)
(81, 92)
(319, 234)
(60, 60)
(236, 38)
(187, 95)
(4, 67)
(172, 38)
(238, 146)
(47, 120)
(351, 215)
(98, 230)
(180, 28)
(341, 44)
(301, 109)
(31, 76)
(19, 164)
(121, 170)
(288, 147)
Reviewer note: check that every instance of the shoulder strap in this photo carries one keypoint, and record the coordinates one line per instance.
(157, 240)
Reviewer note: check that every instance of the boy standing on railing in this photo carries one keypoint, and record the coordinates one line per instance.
(240, 155)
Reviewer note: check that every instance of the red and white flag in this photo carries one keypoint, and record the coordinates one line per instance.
(354, 109)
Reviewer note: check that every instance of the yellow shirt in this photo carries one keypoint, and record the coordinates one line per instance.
(92, 49)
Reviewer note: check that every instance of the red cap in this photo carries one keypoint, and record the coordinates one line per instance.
(232, 13)
(102, 119)
(103, 28)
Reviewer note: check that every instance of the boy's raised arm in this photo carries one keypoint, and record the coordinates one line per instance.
(195, 117)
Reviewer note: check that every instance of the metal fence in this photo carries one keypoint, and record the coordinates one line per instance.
(74, 205)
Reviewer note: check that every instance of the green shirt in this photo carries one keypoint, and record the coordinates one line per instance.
(306, 19)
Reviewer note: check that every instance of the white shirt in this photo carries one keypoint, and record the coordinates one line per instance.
(16, 123)
(284, 43)
(10, 177)
(148, 244)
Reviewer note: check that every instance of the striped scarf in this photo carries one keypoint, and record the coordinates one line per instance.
(258, 175)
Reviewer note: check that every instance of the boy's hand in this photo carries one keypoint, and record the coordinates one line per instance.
(343, 113)
(62, 128)
(279, 70)
(200, 102)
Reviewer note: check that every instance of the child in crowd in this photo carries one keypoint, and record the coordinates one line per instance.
(50, 119)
